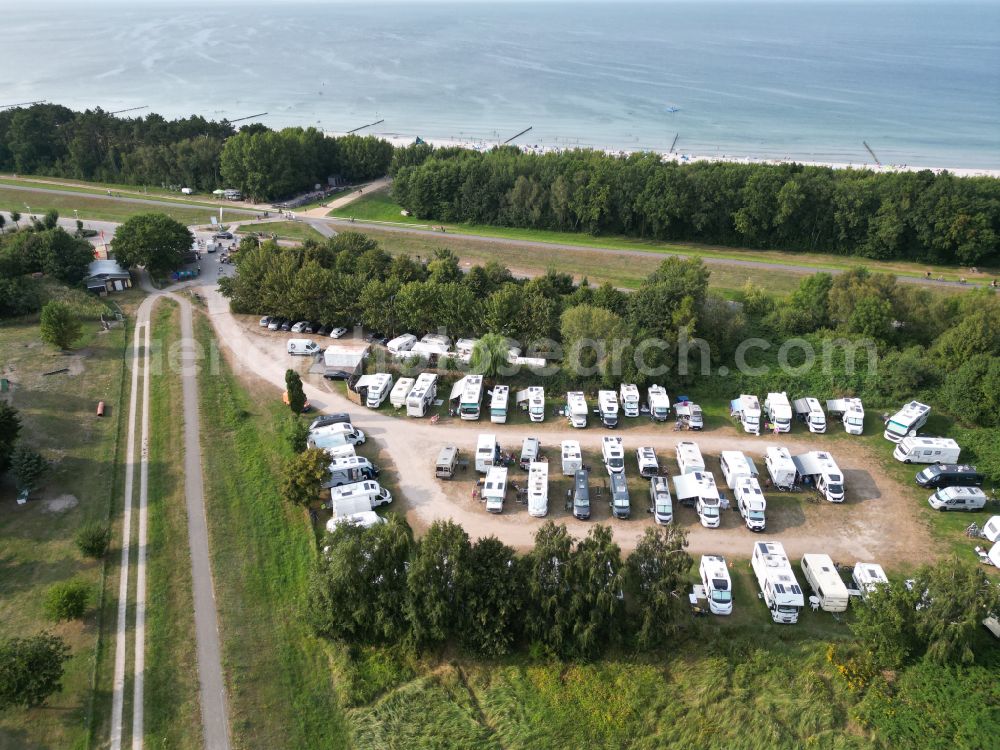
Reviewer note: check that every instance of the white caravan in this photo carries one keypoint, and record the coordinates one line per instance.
(533, 400)
(779, 411)
(958, 498)
(379, 385)
(850, 411)
(781, 467)
(698, 489)
(607, 404)
(487, 453)
(809, 411)
(572, 458)
(747, 410)
(906, 421)
(613, 453)
(660, 503)
(823, 578)
(659, 403)
(495, 488)
(689, 414)
(629, 393)
(645, 456)
(991, 529)
(868, 577)
(576, 409)
(777, 583)
(820, 468)
(751, 503)
(401, 344)
(717, 584)
(538, 489)
(471, 398)
(926, 450)
(397, 397)
(689, 457)
(373, 491)
(422, 396)
(498, 404)
(735, 465)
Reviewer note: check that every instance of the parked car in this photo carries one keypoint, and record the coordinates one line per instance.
(275, 324)
(286, 326)
(328, 419)
(336, 333)
(325, 330)
(265, 321)
(311, 328)
(222, 236)
(300, 326)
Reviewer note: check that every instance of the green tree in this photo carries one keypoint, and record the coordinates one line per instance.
(15, 216)
(304, 474)
(549, 618)
(494, 601)
(958, 597)
(439, 578)
(31, 669)
(296, 395)
(871, 317)
(59, 325)
(51, 219)
(657, 579)
(590, 336)
(10, 428)
(93, 539)
(152, 240)
(885, 623)
(597, 600)
(28, 467)
(489, 356)
(67, 600)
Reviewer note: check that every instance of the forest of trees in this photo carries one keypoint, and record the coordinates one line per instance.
(918, 216)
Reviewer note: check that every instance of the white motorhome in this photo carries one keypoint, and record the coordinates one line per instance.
(699, 489)
(375, 494)
(365, 519)
(538, 489)
(470, 395)
(572, 457)
(906, 421)
(495, 488)
(689, 457)
(397, 397)
(781, 467)
(464, 347)
(735, 465)
(746, 408)
(436, 339)
(645, 456)
(422, 395)
(810, 413)
(850, 411)
(531, 449)
(689, 415)
(401, 344)
(718, 586)
(819, 468)
(660, 503)
(630, 399)
(823, 578)
(926, 450)
(302, 346)
(777, 583)
(751, 503)
(349, 470)
(779, 411)
(334, 435)
(659, 403)
(498, 404)
(958, 498)
(868, 577)
(613, 453)
(576, 409)
(340, 451)
(607, 404)
(379, 385)
(487, 453)
(536, 403)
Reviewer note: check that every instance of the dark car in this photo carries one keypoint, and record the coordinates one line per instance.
(325, 330)
(222, 236)
(286, 326)
(937, 476)
(328, 419)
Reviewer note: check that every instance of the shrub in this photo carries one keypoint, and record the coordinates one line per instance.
(67, 600)
(93, 539)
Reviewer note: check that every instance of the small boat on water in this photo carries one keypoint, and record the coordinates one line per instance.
(673, 109)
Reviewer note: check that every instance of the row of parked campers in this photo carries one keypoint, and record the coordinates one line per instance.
(626, 401)
(779, 413)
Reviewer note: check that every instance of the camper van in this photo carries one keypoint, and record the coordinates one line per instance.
(495, 488)
(400, 391)
(498, 404)
(809, 412)
(751, 503)
(779, 411)
(736, 465)
(487, 453)
(534, 397)
(958, 498)
(949, 475)
(422, 396)
(698, 489)
(689, 415)
(302, 346)
(850, 411)
(906, 421)
(661, 505)
(689, 457)
(400, 345)
(340, 451)
(868, 577)
(369, 489)
(607, 405)
(822, 576)
(576, 409)
(613, 453)
(717, 584)
(365, 519)
(621, 506)
(646, 458)
(781, 467)
(926, 450)
(746, 409)
(659, 403)
(333, 435)
(538, 489)
(630, 399)
(350, 470)
(572, 457)
(470, 395)
(581, 495)
(819, 468)
(530, 450)
(447, 461)
(378, 387)
(777, 583)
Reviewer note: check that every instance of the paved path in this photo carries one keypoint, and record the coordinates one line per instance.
(321, 211)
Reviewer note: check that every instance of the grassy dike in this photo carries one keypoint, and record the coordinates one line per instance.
(281, 693)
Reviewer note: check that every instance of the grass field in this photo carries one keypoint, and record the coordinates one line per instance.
(125, 191)
(285, 230)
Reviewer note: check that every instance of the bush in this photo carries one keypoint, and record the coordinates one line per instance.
(93, 539)
(67, 600)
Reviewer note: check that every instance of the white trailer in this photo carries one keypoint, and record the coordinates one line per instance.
(401, 344)
(779, 411)
(735, 465)
(689, 414)
(822, 576)
(645, 456)
(689, 457)
(781, 467)
(746, 409)
(698, 489)
(470, 397)
(498, 404)
(906, 421)
(576, 409)
(717, 584)
(809, 412)
(926, 450)
(538, 489)
(629, 393)
(368, 489)
(397, 397)
(868, 577)
(572, 457)
(487, 453)
(607, 404)
(819, 468)
(533, 400)
(495, 488)
(659, 403)
(777, 583)
(751, 503)
(613, 453)
(850, 411)
(378, 387)
(422, 396)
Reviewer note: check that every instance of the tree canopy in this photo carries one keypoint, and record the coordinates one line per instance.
(152, 240)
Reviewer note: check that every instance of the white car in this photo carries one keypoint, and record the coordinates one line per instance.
(336, 333)
(300, 326)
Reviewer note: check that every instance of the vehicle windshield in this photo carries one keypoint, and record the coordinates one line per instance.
(660, 410)
(616, 463)
(537, 409)
(621, 502)
(855, 421)
(756, 515)
(896, 427)
(470, 408)
(722, 597)
(710, 511)
(663, 507)
(498, 412)
(786, 609)
(836, 489)
(752, 419)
